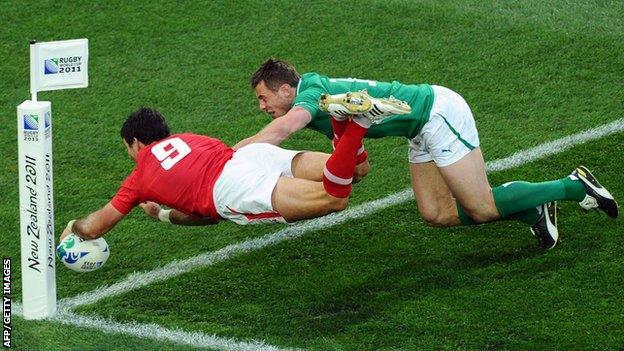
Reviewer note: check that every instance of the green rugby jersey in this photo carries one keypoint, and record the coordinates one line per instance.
(419, 97)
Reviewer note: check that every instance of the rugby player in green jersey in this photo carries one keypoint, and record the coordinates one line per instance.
(447, 168)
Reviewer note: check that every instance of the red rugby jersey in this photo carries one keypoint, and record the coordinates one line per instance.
(179, 172)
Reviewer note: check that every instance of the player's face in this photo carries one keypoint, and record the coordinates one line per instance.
(275, 103)
(131, 148)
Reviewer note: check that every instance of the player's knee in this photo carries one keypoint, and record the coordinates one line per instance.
(437, 218)
(482, 214)
(338, 203)
(335, 204)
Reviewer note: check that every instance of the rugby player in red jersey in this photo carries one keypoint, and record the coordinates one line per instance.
(203, 180)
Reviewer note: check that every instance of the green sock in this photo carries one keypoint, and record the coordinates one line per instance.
(529, 216)
(514, 197)
(519, 200)
(463, 217)
(575, 189)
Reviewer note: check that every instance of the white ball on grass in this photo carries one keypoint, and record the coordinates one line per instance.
(82, 255)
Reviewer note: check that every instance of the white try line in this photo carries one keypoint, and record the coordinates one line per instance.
(175, 268)
(201, 340)
(156, 332)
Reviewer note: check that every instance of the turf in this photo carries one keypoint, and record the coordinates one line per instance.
(531, 72)
(44, 336)
(356, 287)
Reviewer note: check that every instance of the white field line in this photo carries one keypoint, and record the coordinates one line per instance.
(555, 146)
(137, 280)
(175, 268)
(156, 332)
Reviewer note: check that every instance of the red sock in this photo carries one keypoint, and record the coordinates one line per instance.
(362, 156)
(338, 172)
(339, 128)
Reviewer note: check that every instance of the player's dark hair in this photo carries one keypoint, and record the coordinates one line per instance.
(274, 73)
(145, 124)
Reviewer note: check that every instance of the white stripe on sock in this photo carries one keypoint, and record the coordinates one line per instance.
(335, 179)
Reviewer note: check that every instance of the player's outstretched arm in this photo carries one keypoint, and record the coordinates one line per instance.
(174, 216)
(94, 225)
(280, 128)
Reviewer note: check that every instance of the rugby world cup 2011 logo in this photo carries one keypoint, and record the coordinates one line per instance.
(31, 122)
(69, 256)
(47, 124)
(51, 66)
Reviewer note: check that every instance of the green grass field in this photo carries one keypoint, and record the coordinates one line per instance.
(531, 71)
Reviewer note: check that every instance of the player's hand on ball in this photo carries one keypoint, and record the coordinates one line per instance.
(151, 208)
(67, 230)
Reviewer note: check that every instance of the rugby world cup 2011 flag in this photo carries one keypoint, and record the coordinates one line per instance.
(53, 65)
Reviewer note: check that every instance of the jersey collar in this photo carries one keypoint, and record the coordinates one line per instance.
(298, 85)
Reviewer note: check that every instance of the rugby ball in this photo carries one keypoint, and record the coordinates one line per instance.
(82, 255)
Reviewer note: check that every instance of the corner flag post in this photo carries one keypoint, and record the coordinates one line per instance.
(53, 65)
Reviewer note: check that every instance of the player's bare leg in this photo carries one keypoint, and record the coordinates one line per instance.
(309, 165)
(467, 181)
(436, 204)
(296, 199)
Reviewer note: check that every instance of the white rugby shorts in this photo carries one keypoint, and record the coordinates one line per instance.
(449, 134)
(243, 191)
